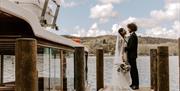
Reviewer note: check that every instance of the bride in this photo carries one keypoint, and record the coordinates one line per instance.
(121, 79)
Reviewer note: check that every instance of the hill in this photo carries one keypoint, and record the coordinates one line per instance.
(108, 43)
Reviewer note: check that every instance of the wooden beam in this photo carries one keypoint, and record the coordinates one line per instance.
(163, 68)
(100, 68)
(26, 72)
(153, 61)
(79, 70)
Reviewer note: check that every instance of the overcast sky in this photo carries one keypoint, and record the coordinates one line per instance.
(157, 18)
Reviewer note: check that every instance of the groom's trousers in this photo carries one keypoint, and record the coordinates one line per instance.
(134, 72)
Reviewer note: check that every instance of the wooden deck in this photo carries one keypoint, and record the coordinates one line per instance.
(141, 89)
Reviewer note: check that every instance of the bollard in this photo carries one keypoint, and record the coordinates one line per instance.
(100, 68)
(79, 69)
(26, 72)
(63, 71)
(179, 61)
(163, 68)
(153, 61)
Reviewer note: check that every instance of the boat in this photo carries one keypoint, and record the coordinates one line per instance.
(33, 58)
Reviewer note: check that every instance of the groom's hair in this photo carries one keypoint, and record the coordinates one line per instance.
(132, 26)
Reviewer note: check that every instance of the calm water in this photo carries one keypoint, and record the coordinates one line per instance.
(143, 63)
(144, 71)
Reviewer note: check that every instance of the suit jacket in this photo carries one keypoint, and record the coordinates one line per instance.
(132, 46)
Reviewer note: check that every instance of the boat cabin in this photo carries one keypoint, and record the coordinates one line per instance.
(31, 57)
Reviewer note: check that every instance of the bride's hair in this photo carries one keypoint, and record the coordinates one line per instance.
(121, 30)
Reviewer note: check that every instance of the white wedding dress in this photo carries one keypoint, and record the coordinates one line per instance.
(120, 81)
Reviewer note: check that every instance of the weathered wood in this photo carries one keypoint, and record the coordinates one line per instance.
(79, 71)
(163, 68)
(86, 65)
(63, 70)
(26, 72)
(153, 61)
(100, 68)
(2, 69)
(179, 61)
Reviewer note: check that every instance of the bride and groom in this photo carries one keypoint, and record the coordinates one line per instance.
(125, 72)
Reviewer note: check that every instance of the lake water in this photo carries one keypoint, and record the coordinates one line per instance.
(143, 64)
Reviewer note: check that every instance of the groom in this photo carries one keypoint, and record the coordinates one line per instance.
(132, 55)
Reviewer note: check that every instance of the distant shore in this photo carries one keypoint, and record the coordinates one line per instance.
(107, 42)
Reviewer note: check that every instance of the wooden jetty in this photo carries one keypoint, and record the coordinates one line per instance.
(41, 57)
(159, 60)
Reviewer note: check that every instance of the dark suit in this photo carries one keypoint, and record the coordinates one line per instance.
(132, 46)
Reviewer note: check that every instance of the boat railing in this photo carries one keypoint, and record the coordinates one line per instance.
(43, 20)
(48, 10)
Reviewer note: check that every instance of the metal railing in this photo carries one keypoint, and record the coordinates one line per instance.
(43, 20)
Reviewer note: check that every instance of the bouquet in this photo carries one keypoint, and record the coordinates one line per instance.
(124, 67)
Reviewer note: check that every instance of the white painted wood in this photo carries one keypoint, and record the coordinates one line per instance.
(32, 19)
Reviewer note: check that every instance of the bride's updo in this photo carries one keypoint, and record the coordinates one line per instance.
(122, 32)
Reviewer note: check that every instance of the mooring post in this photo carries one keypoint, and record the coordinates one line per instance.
(100, 68)
(163, 68)
(153, 61)
(2, 69)
(86, 65)
(179, 61)
(63, 71)
(26, 72)
(79, 70)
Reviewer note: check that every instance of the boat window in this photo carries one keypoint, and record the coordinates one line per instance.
(48, 65)
(8, 66)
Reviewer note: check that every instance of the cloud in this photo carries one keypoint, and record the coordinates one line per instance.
(110, 1)
(93, 31)
(68, 4)
(141, 22)
(170, 12)
(173, 32)
(103, 12)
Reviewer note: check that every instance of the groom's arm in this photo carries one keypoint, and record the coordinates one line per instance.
(132, 43)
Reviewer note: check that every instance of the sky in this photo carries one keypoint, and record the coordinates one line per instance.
(90, 18)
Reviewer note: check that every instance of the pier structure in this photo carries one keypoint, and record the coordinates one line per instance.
(159, 68)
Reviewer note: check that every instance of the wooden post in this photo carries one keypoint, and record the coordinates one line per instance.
(163, 68)
(79, 71)
(179, 61)
(86, 66)
(153, 61)
(100, 68)
(63, 70)
(2, 69)
(26, 72)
